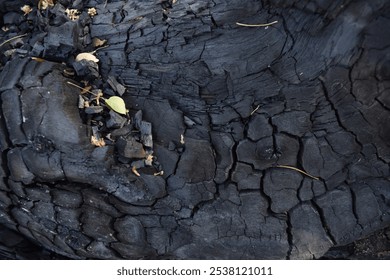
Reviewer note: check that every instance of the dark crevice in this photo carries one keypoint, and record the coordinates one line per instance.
(323, 221)
(290, 237)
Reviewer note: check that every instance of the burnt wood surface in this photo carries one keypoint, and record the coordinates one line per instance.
(229, 106)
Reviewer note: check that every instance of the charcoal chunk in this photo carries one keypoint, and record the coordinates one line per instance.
(131, 230)
(93, 110)
(116, 86)
(295, 122)
(146, 134)
(309, 237)
(259, 128)
(61, 41)
(129, 148)
(13, 118)
(282, 187)
(87, 69)
(19, 170)
(115, 120)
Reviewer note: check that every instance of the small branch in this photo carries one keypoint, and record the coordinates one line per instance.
(256, 25)
(13, 38)
(72, 84)
(299, 170)
(98, 49)
(254, 111)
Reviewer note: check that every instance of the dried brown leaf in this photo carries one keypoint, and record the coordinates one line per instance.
(26, 9)
(96, 42)
(73, 14)
(159, 173)
(97, 142)
(44, 4)
(86, 56)
(37, 59)
(134, 170)
(92, 12)
(149, 160)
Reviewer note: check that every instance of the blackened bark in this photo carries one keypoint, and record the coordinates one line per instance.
(230, 106)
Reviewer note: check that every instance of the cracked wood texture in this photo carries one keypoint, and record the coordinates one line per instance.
(311, 91)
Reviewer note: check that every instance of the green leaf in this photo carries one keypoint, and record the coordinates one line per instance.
(116, 104)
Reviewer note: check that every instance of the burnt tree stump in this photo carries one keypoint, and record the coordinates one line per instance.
(232, 109)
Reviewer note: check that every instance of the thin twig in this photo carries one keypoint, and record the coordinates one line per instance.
(299, 170)
(254, 111)
(98, 49)
(13, 38)
(257, 25)
(72, 84)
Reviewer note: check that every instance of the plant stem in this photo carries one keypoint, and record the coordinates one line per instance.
(257, 25)
(72, 84)
(13, 38)
(299, 170)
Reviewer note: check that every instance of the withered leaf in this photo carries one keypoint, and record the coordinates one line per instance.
(97, 142)
(26, 9)
(96, 42)
(116, 104)
(92, 12)
(44, 4)
(37, 59)
(86, 56)
(134, 170)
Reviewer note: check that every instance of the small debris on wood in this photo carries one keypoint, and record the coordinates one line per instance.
(161, 173)
(97, 142)
(26, 9)
(132, 139)
(149, 160)
(68, 72)
(86, 56)
(86, 89)
(44, 4)
(257, 25)
(96, 42)
(134, 170)
(73, 14)
(297, 169)
(92, 12)
(37, 59)
(254, 111)
(98, 95)
(13, 38)
(182, 139)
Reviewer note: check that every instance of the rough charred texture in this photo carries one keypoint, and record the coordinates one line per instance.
(229, 106)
